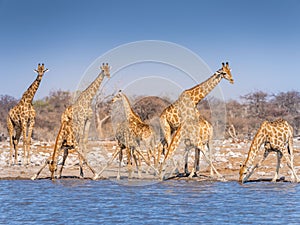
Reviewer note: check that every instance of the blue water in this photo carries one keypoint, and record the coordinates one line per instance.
(169, 202)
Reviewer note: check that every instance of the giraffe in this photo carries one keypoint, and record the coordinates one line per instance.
(75, 123)
(126, 140)
(21, 118)
(276, 136)
(65, 141)
(130, 133)
(170, 118)
(196, 133)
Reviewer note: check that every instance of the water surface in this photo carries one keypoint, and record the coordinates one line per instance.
(74, 201)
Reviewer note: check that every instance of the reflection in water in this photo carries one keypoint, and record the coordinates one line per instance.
(74, 201)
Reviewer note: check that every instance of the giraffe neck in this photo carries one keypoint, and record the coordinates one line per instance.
(30, 92)
(130, 114)
(200, 91)
(258, 140)
(88, 94)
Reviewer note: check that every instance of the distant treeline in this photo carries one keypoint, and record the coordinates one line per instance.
(243, 116)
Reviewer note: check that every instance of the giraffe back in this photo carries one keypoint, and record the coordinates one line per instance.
(278, 133)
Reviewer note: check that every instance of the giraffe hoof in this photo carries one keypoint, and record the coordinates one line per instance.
(95, 177)
(193, 174)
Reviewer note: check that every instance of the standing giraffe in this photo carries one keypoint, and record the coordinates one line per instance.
(196, 133)
(170, 118)
(276, 136)
(130, 133)
(20, 120)
(75, 124)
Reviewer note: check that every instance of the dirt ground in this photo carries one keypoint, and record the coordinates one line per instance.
(228, 156)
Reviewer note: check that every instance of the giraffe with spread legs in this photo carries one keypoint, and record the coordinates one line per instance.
(65, 141)
(276, 136)
(128, 142)
(21, 118)
(75, 124)
(196, 133)
(170, 118)
(131, 133)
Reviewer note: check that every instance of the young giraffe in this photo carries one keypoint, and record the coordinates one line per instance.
(21, 120)
(133, 133)
(170, 118)
(75, 125)
(276, 136)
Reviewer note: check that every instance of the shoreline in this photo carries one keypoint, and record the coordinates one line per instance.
(227, 159)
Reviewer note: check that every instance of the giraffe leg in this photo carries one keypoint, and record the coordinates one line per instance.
(120, 162)
(295, 178)
(137, 164)
(83, 146)
(188, 147)
(35, 176)
(147, 162)
(289, 161)
(196, 163)
(172, 147)
(279, 156)
(28, 142)
(166, 130)
(107, 164)
(66, 152)
(86, 135)
(15, 140)
(210, 157)
(197, 160)
(159, 153)
(80, 166)
(24, 129)
(129, 162)
(212, 166)
(84, 160)
(186, 158)
(266, 153)
(10, 128)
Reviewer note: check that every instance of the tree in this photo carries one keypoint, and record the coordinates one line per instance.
(256, 104)
(6, 103)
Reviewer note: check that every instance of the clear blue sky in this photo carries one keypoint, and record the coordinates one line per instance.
(260, 39)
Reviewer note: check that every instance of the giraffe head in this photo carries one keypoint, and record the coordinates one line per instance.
(105, 68)
(117, 97)
(225, 72)
(245, 173)
(41, 69)
(52, 168)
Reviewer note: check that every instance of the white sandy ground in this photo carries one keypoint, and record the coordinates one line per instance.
(228, 156)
